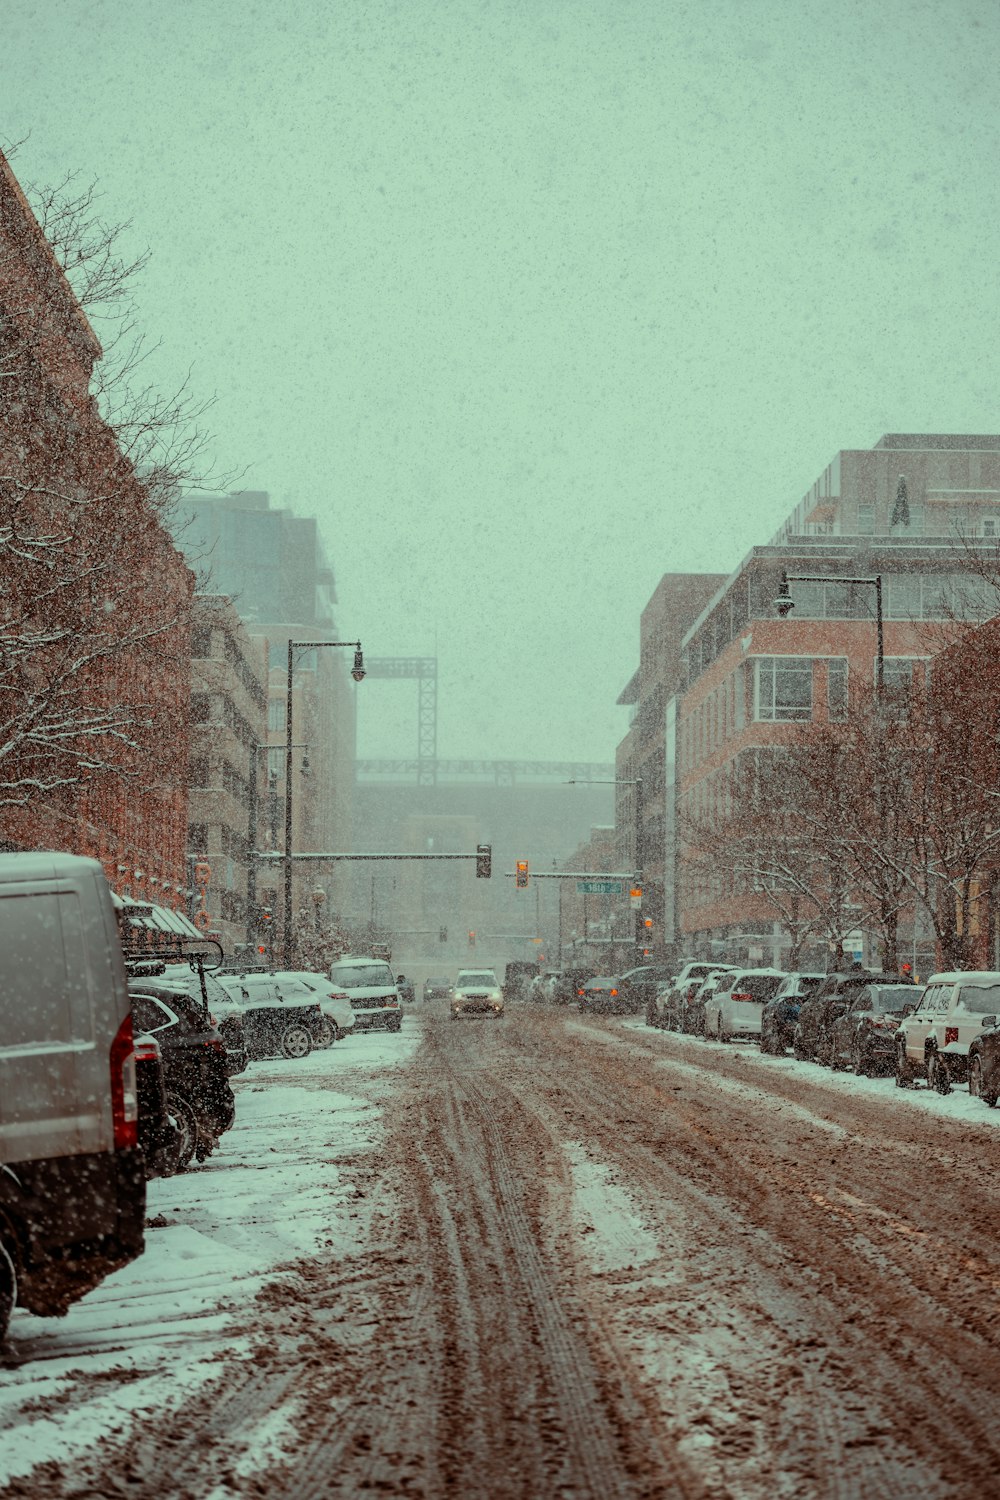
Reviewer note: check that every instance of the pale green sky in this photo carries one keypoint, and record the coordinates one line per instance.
(533, 302)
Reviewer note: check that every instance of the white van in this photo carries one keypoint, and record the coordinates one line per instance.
(72, 1182)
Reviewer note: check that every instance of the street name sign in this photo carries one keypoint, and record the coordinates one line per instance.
(599, 887)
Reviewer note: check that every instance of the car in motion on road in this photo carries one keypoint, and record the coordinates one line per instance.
(476, 992)
(438, 987)
(601, 996)
(371, 989)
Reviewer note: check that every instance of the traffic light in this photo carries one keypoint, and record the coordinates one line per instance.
(648, 922)
(443, 935)
(484, 861)
(521, 874)
(472, 938)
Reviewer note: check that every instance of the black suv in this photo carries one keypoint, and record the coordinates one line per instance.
(195, 1064)
(813, 1040)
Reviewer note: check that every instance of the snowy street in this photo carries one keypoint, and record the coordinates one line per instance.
(550, 1255)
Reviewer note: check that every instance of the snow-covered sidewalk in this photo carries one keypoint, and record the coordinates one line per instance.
(288, 1180)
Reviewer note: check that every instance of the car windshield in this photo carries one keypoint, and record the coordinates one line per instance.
(980, 999)
(478, 977)
(438, 980)
(361, 976)
(602, 982)
(886, 999)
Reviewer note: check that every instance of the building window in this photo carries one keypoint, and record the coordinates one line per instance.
(836, 689)
(897, 674)
(784, 687)
(866, 520)
(275, 715)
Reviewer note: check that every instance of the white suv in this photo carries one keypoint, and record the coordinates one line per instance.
(371, 990)
(933, 1043)
(476, 992)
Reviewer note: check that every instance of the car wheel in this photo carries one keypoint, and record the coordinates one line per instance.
(858, 1063)
(977, 1088)
(327, 1033)
(395, 1025)
(295, 1042)
(8, 1289)
(904, 1069)
(938, 1077)
(187, 1128)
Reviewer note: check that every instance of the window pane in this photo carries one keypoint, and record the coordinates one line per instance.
(836, 689)
(904, 596)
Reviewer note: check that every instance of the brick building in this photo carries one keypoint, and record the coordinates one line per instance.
(96, 599)
(748, 676)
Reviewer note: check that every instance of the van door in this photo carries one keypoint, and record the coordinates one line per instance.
(53, 1083)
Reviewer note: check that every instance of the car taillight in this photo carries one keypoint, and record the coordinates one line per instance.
(216, 1043)
(124, 1096)
(614, 992)
(740, 996)
(950, 1035)
(146, 1049)
(581, 992)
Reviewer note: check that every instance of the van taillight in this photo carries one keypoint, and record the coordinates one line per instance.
(124, 1097)
(740, 996)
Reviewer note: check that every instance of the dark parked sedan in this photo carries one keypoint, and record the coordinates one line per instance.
(812, 1040)
(864, 1036)
(159, 1133)
(195, 1065)
(779, 1016)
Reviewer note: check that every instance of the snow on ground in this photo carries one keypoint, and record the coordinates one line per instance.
(614, 1236)
(283, 1183)
(954, 1106)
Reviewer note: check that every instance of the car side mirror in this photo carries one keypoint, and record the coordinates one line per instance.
(989, 1021)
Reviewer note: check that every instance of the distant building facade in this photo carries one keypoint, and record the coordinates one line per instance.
(228, 767)
(273, 566)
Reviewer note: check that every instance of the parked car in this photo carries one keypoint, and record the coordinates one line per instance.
(160, 1136)
(281, 1018)
(225, 1010)
(778, 1018)
(437, 988)
(338, 1016)
(371, 990)
(517, 977)
(818, 1011)
(195, 1066)
(637, 987)
(863, 1037)
(476, 992)
(696, 998)
(600, 996)
(984, 1064)
(734, 1005)
(72, 1174)
(935, 1040)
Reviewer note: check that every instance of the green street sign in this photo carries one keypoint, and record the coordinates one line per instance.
(599, 887)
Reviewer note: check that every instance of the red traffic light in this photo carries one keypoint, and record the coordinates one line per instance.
(521, 874)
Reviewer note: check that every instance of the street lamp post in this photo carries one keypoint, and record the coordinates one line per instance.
(357, 672)
(253, 817)
(784, 604)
